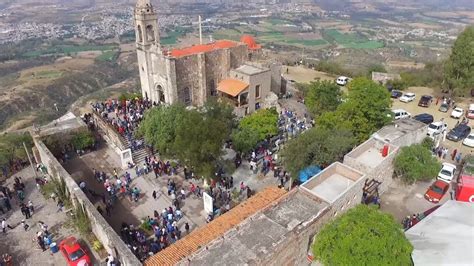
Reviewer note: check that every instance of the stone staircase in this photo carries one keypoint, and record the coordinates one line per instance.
(138, 155)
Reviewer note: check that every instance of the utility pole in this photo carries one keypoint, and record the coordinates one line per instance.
(200, 30)
(29, 159)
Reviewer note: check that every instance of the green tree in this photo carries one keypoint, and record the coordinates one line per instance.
(82, 140)
(322, 96)
(375, 68)
(459, 68)
(254, 128)
(195, 137)
(415, 163)
(362, 236)
(365, 109)
(317, 146)
(11, 147)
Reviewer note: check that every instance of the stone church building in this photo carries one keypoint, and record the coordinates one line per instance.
(191, 75)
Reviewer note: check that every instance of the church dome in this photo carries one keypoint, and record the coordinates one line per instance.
(250, 41)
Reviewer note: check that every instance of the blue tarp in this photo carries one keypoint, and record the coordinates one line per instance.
(308, 172)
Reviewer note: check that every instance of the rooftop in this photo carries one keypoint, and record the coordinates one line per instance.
(203, 236)
(250, 70)
(369, 153)
(445, 236)
(232, 87)
(398, 129)
(67, 122)
(258, 237)
(203, 48)
(332, 182)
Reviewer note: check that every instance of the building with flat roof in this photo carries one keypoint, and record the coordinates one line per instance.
(444, 237)
(403, 132)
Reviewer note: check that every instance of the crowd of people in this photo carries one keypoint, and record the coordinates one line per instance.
(125, 116)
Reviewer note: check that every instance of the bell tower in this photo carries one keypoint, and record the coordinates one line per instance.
(147, 41)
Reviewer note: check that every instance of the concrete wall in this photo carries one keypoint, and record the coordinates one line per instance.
(109, 133)
(101, 229)
(411, 137)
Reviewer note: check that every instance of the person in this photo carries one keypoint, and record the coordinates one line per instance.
(7, 259)
(25, 225)
(43, 227)
(453, 155)
(154, 194)
(458, 157)
(5, 225)
(30, 205)
(60, 205)
(40, 241)
(186, 227)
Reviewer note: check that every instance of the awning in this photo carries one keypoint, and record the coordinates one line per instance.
(232, 87)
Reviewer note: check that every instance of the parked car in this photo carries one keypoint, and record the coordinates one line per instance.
(444, 107)
(425, 101)
(459, 133)
(469, 140)
(436, 128)
(342, 81)
(424, 118)
(470, 111)
(446, 173)
(407, 97)
(436, 191)
(396, 94)
(400, 114)
(457, 113)
(73, 252)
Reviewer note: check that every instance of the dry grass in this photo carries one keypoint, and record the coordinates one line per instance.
(304, 75)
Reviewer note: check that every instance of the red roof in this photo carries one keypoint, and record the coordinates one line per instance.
(250, 41)
(202, 48)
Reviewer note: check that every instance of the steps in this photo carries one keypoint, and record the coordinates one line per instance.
(138, 155)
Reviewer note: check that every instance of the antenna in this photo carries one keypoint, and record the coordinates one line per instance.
(200, 30)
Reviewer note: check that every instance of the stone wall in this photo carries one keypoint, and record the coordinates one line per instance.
(101, 229)
(109, 133)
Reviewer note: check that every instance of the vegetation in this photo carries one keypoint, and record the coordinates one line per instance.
(362, 236)
(431, 76)
(107, 56)
(415, 163)
(11, 148)
(332, 68)
(322, 96)
(317, 146)
(365, 110)
(375, 68)
(81, 220)
(82, 140)
(97, 245)
(254, 128)
(129, 96)
(351, 40)
(195, 137)
(459, 68)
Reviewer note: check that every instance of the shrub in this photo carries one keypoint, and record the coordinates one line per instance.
(415, 163)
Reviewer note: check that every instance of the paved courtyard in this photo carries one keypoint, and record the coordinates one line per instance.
(22, 245)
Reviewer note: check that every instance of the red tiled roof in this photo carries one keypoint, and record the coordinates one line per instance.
(215, 229)
(202, 48)
(250, 41)
(232, 87)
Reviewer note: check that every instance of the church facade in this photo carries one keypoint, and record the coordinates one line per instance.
(189, 75)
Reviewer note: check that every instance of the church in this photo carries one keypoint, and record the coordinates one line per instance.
(191, 75)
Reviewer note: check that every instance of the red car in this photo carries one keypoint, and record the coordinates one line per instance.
(436, 191)
(74, 253)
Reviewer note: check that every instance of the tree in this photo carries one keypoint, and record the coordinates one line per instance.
(82, 140)
(365, 109)
(375, 68)
(317, 146)
(11, 148)
(254, 128)
(459, 68)
(322, 96)
(195, 137)
(415, 163)
(362, 236)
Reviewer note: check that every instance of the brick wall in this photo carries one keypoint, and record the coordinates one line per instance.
(101, 229)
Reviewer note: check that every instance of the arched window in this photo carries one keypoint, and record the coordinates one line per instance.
(150, 34)
(187, 96)
(139, 34)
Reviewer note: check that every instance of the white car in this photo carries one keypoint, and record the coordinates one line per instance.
(400, 114)
(407, 97)
(447, 172)
(457, 113)
(469, 140)
(436, 128)
(342, 81)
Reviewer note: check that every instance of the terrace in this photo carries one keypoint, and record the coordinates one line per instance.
(333, 182)
(370, 153)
